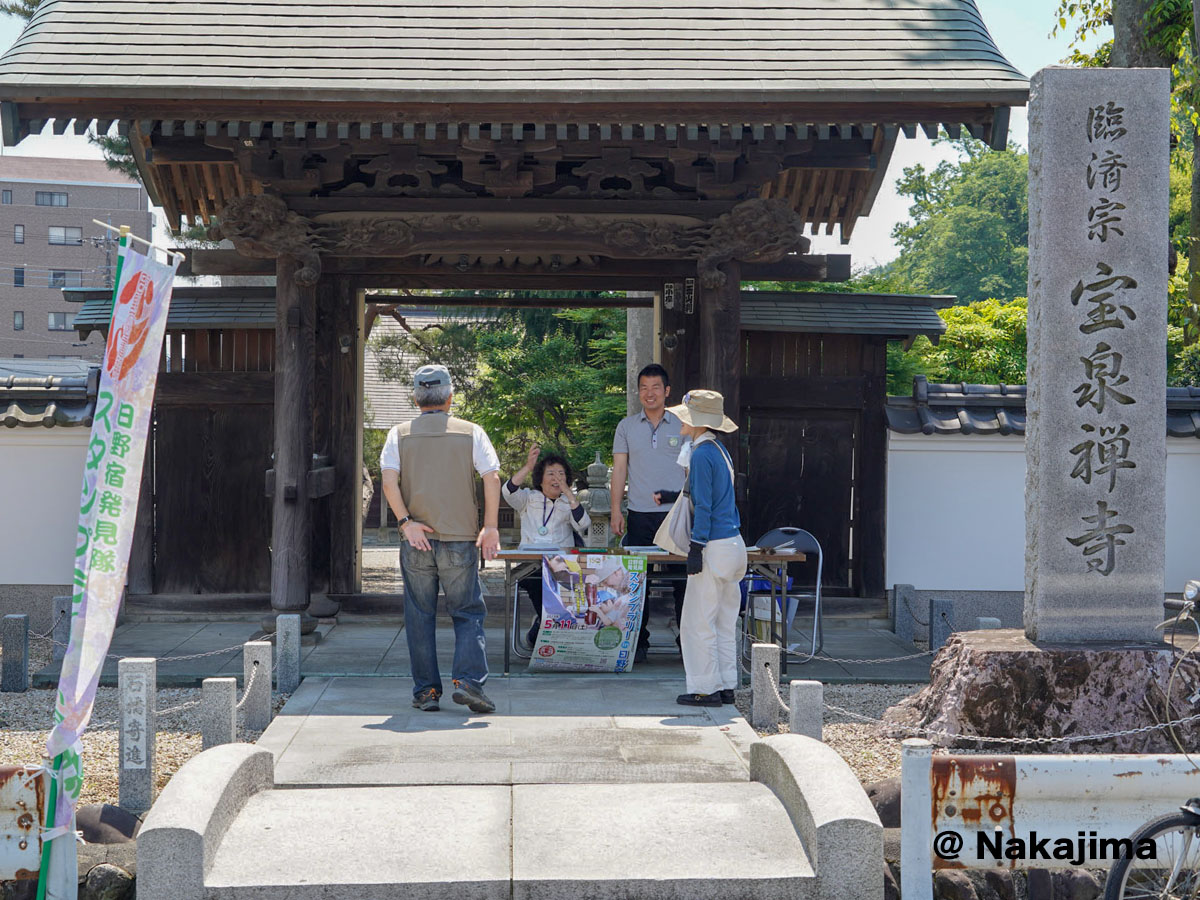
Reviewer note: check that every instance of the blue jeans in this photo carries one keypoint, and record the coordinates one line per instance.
(452, 564)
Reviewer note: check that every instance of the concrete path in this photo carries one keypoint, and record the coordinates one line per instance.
(558, 729)
(577, 786)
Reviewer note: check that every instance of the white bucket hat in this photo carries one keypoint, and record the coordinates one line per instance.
(704, 408)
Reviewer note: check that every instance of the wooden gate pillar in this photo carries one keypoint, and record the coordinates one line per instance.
(295, 306)
(720, 344)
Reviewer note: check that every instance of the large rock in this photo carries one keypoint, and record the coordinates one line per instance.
(997, 683)
(102, 823)
(885, 797)
(106, 882)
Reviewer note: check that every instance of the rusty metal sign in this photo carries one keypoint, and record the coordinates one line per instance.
(22, 811)
(971, 794)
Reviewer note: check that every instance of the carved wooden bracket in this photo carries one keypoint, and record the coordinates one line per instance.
(261, 225)
(754, 231)
(757, 231)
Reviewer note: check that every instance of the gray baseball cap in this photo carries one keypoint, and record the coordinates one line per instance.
(431, 376)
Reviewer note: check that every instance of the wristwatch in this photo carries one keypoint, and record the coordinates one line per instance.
(404, 521)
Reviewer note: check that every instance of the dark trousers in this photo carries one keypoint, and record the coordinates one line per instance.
(533, 587)
(640, 528)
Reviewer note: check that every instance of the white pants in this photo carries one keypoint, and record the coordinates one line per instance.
(708, 625)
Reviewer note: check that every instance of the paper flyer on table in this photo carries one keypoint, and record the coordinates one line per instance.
(591, 612)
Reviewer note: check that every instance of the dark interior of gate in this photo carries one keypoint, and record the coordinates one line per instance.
(673, 149)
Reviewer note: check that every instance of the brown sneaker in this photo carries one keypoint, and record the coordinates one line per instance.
(472, 698)
(427, 700)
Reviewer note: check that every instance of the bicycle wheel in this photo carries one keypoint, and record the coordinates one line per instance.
(1174, 875)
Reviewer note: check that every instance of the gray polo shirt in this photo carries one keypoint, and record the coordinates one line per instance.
(652, 453)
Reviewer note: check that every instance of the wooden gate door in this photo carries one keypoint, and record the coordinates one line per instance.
(800, 472)
(213, 441)
(814, 448)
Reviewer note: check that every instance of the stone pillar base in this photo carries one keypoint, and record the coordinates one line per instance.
(308, 624)
(998, 683)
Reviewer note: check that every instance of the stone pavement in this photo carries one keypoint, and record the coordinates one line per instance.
(373, 644)
(364, 648)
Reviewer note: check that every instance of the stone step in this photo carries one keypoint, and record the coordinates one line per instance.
(535, 841)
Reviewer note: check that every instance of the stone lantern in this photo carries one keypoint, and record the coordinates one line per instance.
(595, 498)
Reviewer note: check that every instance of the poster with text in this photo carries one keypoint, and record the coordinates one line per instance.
(591, 612)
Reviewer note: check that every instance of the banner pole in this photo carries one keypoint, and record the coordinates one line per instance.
(51, 803)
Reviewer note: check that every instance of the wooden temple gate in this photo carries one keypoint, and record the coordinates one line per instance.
(675, 149)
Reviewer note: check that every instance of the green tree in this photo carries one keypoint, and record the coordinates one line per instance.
(23, 9)
(117, 154)
(552, 377)
(969, 231)
(984, 343)
(1150, 33)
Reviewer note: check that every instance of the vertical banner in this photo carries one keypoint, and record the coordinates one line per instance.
(111, 481)
(591, 612)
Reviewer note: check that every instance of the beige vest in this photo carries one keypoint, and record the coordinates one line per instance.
(437, 475)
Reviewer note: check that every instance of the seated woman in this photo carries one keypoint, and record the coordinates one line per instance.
(550, 513)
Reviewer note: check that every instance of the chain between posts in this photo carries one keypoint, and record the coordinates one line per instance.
(236, 647)
(46, 637)
(917, 731)
(774, 683)
(249, 684)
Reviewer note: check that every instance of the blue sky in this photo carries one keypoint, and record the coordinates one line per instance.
(1020, 29)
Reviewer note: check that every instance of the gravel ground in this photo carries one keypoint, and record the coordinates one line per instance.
(24, 719)
(870, 756)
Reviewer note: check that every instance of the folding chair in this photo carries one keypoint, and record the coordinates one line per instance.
(802, 542)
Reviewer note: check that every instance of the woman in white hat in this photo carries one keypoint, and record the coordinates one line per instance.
(716, 560)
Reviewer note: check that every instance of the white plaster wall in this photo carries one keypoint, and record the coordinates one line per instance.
(956, 512)
(41, 470)
(1183, 512)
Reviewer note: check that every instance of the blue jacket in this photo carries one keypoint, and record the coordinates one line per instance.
(711, 488)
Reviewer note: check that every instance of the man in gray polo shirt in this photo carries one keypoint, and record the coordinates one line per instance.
(645, 448)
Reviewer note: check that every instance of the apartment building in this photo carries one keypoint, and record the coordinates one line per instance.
(48, 241)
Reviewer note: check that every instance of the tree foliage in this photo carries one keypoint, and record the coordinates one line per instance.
(117, 154)
(552, 377)
(969, 231)
(984, 343)
(23, 9)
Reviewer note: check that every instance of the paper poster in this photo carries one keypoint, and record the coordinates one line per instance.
(591, 612)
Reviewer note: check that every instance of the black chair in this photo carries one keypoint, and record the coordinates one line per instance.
(801, 541)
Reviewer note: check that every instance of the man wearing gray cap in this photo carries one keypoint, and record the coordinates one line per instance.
(428, 480)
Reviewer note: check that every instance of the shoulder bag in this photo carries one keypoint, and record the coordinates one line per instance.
(675, 533)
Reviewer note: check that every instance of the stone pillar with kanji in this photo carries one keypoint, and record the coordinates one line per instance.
(1096, 438)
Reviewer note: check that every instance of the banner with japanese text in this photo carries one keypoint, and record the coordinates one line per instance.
(591, 612)
(111, 481)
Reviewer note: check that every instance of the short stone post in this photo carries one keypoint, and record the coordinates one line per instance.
(984, 623)
(14, 667)
(764, 669)
(807, 702)
(941, 619)
(137, 683)
(257, 700)
(60, 634)
(287, 643)
(904, 613)
(218, 712)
